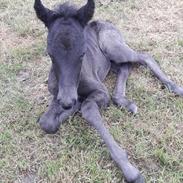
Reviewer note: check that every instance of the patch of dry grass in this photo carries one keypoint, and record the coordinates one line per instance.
(76, 154)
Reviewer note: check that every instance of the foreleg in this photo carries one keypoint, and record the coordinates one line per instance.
(51, 120)
(90, 111)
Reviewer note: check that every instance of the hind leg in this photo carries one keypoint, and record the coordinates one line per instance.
(119, 97)
(112, 43)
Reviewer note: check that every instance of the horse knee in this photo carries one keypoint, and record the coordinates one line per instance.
(100, 98)
(103, 99)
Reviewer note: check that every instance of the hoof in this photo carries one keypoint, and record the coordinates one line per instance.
(178, 91)
(172, 87)
(139, 179)
(132, 108)
(50, 126)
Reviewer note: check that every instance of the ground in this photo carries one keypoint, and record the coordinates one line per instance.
(76, 154)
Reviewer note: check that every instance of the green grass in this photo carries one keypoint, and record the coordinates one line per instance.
(153, 137)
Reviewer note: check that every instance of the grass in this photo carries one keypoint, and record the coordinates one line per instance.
(153, 137)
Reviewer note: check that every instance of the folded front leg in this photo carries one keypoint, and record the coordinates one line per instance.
(119, 97)
(51, 120)
(90, 111)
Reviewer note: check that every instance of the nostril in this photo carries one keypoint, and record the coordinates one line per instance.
(66, 107)
(74, 102)
(59, 101)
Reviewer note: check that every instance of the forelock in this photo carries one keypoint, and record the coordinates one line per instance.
(66, 10)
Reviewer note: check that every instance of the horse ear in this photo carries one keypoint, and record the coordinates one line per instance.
(43, 13)
(85, 13)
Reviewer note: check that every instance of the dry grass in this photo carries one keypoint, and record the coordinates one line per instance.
(76, 154)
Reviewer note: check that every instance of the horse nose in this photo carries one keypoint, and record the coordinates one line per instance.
(69, 104)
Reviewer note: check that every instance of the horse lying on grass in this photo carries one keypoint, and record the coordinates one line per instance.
(82, 55)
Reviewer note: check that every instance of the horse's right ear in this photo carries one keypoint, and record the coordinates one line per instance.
(85, 13)
(43, 13)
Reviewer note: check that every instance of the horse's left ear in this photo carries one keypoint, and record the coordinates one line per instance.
(85, 13)
(43, 13)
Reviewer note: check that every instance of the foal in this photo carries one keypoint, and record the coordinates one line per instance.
(82, 55)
